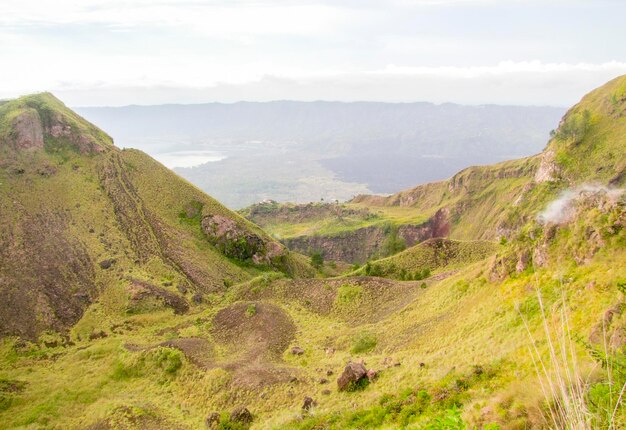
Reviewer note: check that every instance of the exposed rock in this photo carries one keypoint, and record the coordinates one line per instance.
(618, 339)
(329, 373)
(106, 264)
(351, 375)
(27, 131)
(540, 255)
(212, 421)
(97, 335)
(323, 381)
(140, 290)
(360, 245)
(84, 297)
(548, 169)
(308, 403)
(237, 242)
(296, 350)
(522, 262)
(46, 170)
(616, 336)
(196, 298)
(326, 392)
(242, 415)
(372, 374)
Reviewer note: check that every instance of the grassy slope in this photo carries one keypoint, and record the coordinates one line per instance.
(451, 326)
(64, 212)
(434, 255)
(469, 319)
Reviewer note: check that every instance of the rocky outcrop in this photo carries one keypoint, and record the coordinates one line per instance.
(351, 376)
(27, 132)
(237, 242)
(241, 415)
(548, 170)
(360, 245)
(140, 291)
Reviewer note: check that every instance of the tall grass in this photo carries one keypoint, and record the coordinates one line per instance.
(565, 390)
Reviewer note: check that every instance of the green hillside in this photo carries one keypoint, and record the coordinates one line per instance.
(480, 202)
(80, 216)
(134, 301)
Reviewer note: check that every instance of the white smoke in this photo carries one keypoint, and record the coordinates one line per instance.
(563, 209)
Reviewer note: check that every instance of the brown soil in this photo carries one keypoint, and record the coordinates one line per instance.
(256, 340)
(267, 332)
(198, 350)
(140, 290)
(47, 276)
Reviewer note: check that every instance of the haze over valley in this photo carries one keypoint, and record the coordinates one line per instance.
(243, 153)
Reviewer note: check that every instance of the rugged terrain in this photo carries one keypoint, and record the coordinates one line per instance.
(177, 313)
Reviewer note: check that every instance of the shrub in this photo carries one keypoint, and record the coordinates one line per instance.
(251, 310)
(451, 420)
(575, 126)
(317, 259)
(168, 359)
(348, 294)
(393, 243)
(363, 342)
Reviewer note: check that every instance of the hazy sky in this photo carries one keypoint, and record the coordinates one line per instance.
(116, 52)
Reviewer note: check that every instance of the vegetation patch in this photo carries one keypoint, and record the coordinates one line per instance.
(363, 342)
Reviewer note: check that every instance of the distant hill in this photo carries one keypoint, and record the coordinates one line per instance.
(305, 151)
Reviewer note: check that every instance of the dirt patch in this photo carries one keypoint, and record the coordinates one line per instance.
(258, 374)
(256, 334)
(140, 291)
(254, 329)
(47, 277)
(199, 351)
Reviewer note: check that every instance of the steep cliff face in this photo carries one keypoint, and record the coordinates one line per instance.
(363, 244)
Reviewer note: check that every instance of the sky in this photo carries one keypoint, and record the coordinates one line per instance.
(119, 52)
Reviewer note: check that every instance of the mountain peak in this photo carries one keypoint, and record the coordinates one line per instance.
(41, 121)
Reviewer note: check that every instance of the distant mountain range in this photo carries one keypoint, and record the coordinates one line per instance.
(307, 151)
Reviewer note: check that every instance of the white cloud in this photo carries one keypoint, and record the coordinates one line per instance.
(200, 16)
(151, 51)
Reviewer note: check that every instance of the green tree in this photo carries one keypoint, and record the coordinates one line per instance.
(317, 259)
